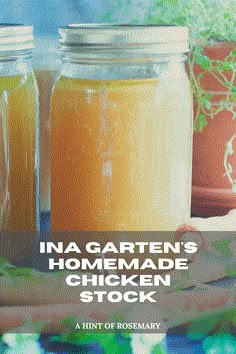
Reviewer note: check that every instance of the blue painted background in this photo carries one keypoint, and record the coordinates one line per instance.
(47, 15)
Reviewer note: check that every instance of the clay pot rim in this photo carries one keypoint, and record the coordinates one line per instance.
(215, 44)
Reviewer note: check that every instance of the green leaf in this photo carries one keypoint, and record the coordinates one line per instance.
(203, 61)
(200, 122)
(207, 103)
(70, 321)
(180, 20)
(209, 95)
(4, 262)
(16, 271)
(110, 342)
(223, 247)
(203, 326)
(231, 271)
(232, 317)
(233, 52)
(227, 67)
(197, 52)
(11, 271)
(227, 15)
(200, 76)
(158, 349)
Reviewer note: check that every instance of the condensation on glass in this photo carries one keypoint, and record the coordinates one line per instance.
(19, 144)
(121, 125)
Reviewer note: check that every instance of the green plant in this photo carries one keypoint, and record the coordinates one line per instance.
(109, 342)
(208, 21)
(215, 330)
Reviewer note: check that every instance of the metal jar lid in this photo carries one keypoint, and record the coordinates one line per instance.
(153, 38)
(15, 37)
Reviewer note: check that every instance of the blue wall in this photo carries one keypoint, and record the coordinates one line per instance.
(47, 15)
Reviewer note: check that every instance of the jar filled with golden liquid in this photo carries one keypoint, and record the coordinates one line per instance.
(121, 125)
(19, 140)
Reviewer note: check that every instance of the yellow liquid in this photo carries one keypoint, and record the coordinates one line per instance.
(18, 127)
(118, 160)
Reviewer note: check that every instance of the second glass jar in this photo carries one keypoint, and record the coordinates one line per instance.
(19, 132)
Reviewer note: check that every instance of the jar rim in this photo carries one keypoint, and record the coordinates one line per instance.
(170, 39)
(15, 36)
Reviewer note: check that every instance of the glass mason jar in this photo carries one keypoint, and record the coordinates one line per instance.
(19, 143)
(121, 125)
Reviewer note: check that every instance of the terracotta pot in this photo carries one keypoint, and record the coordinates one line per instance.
(211, 193)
